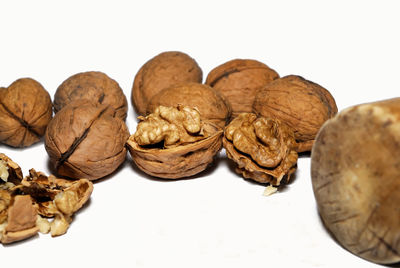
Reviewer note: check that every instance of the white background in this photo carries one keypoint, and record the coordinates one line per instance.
(217, 219)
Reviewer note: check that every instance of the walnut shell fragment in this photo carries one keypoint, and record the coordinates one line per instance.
(301, 104)
(210, 103)
(86, 140)
(92, 86)
(162, 71)
(25, 111)
(174, 143)
(263, 148)
(355, 177)
(238, 80)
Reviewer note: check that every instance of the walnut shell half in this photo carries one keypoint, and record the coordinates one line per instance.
(301, 104)
(173, 143)
(25, 111)
(355, 174)
(210, 103)
(238, 80)
(86, 140)
(263, 148)
(162, 71)
(93, 86)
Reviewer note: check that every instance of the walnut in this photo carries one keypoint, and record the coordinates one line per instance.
(26, 205)
(174, 143)
(162, 71)
(25, 111)
(238, 81)
(263, 148)
(93, 86)
(210, 103)
(86, 140)
(355, 177)
(301, 104)
(9, 170)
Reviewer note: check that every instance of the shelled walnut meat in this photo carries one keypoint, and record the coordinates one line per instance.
(173, 142)
(93, 86)
(210, 103)
(238, 80)
(162, 71)
(301, 104)
(263, 148)
(86, 140)
(25, 111)
(27, 204)
(356, 179)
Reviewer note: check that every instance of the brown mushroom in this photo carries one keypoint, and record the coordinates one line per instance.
(301, 104)
(238, 80)
(86, 140)
(355, 177)
(93, 86)
(263, 148)
(174, 143)
(162, 71)
(25, 111)
(209, 102)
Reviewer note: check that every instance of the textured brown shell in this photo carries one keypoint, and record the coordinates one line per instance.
(93, 86)
(162, 71)
(210, 103)
(178, 162)
(25, 111)
(85, 140)
(356, 179)
(301, 104)
(238, 80)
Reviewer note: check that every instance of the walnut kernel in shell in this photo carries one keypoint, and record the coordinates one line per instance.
(263, 148)
(174, 143)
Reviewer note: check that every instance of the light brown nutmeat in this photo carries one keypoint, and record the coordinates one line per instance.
(263, 148)
(174, 143)
(86, 140)
(301, 104)
(355, 177)
(25, 111)
(162, 71)
(92, 86)
(238, 80)
(210, 103)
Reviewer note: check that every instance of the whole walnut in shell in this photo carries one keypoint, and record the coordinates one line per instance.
(356, 179)
(25, 111)
(86, 140)
(238, 80)
(263, 148)
(93, 86)
(209, 102)
(162, 71)
(174, 143)
(301, 104)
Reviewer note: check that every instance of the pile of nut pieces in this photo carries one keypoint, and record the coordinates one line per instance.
(261, 119)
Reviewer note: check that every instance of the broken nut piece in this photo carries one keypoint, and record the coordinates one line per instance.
(174, 142)
(263, 148)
